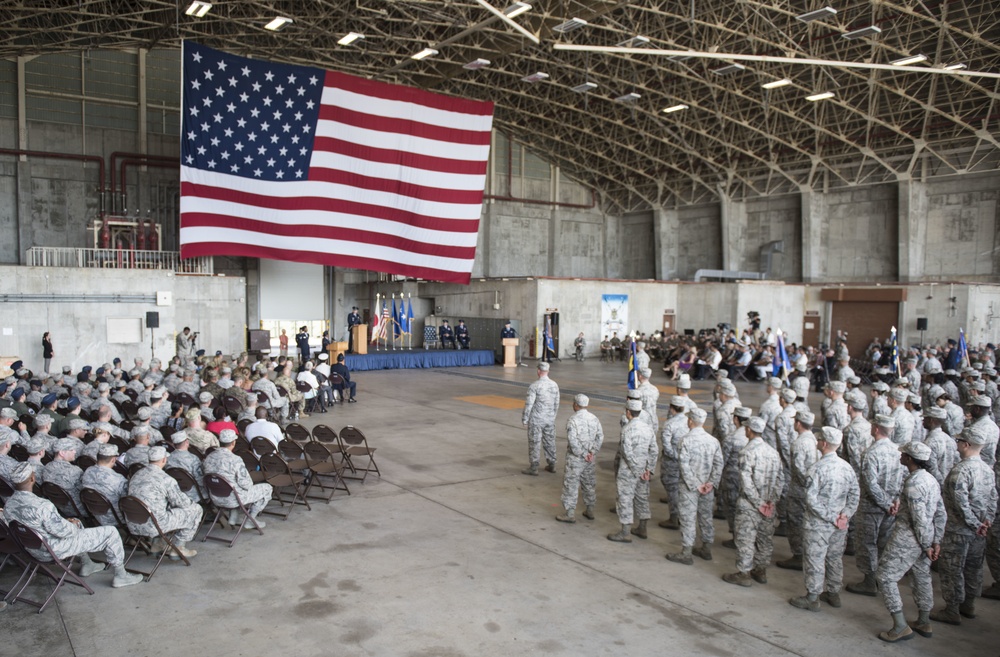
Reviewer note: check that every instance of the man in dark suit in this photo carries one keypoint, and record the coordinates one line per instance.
(353, 319)
(341, 369)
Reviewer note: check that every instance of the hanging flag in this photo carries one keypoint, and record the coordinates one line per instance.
(403, 325)
(409, 317)
(550, 343)
(893, 352)
(395, 318)
(297, 163)
(963, 349)
(633, 366)
(376, 327)
(386, 319)
(782, 365)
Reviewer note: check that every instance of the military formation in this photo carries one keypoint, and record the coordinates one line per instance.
(903, 477)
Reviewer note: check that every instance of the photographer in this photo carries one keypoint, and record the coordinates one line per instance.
(185, 344)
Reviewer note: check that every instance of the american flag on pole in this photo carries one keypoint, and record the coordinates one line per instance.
(296, 163)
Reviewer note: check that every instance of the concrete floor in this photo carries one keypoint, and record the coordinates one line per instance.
(453, 552)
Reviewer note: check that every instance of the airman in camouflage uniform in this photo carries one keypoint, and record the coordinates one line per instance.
(913, 545)
(803, 454)
(226, 464)
(944, 454)
(61, 472)
(729, 486)
(831, 498)
(980, 408)
(139, 452)
(172, 509)
(903, 431)
(769, 411)
(540, 408)
(584, 437)
(7, 463)
(880, 403)
(674, 429)
(836, 413)
(650, 396)
(723, 412)
(970, 499)
(857, 436)
(784, 436)
(639, 453)
(761, 481)
(700, 459)
(274, 400)
(105, 480)
(182, 458)
(196, 432)
(296, 400)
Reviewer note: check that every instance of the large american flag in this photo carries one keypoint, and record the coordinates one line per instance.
(296, 163)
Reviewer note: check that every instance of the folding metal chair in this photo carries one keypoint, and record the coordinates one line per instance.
(58, 570)
(186, 481)
(219, 486)
(62, 500)
(285, 482)
(323, 464)
(325, 434)
(6, 490)
(354, 445)
(292, 452)
(98, 505)
(312, 397)
(136, 512)
(261, 446)
(253, 465)
(12, 553)
(84, 462)
(297, 432)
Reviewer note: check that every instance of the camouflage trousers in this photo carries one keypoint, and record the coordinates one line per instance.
(633, 496)
(729, 492)
(961, 568)
(695, 511)
(95, 539)
(902, 554)
(579, 474)
(754, 538)
(541, 436)
(823, 556)
(795, 509)
(186, 521)
(670, 477)
(993, 550)
(872, 527)
(781, 508)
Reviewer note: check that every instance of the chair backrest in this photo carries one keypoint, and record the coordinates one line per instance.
(29, 421)
(183, 478)
(250, 460)
(232, 405)
(6, 490)
(262, 445)
(317, 452)
(127, 425)
(95, 502)
(303, 387)
(262, 398)
(131, 410)
(196, 451)
(121, 469)
(135, 510)
(218, 486)
(166, 431)
(33, 406)
(296, 431)
(242, 425)
(135, 467)
(26, 536)
(336, 379)
(324, 434)
(18, 453)
(57, 495)
(281, 391)
(353, 436)
(186, 400)
(290, 450)
(131, 394)
(84, 462)
(274, 464)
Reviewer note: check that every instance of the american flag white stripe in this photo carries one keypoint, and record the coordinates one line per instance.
(403, 143)
(412, 175)
(399, 109)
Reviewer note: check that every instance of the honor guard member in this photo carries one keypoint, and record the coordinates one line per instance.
(540, 407)
(302, 342)
(103, 478)
(831, 498)
(700, 460)
(584, 437)
(914, 543)
(446, 334)
(881, 480)
(226, 464)
(66, 538)
(761, 481)
(674, 429)
(172, 509)
(638, 462)
(353, 319)
(970, 500)
(462, 334)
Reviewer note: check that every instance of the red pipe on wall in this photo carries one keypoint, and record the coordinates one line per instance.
(164, 164)
(146, 159)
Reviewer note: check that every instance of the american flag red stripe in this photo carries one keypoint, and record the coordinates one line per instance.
(294, 163)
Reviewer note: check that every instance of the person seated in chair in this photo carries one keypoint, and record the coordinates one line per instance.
(462, 334)
(341, 369)
(445, 334)
(172, 509)
(226, 464)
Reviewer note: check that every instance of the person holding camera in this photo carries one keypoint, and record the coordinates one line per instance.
(185, 344)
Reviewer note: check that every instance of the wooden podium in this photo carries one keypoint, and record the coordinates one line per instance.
(360, 334)
(510, 351)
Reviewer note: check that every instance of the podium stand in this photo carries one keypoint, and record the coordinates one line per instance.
(509, 351)
(335, 349)
(359, 333)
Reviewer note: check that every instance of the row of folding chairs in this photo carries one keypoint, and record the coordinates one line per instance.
(351, 442)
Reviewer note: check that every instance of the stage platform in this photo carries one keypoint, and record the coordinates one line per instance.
(403, 359)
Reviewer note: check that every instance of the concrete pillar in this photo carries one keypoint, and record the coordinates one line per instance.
(612, 245)
(555, 227)
(23, 211)
(666, 226)
(813, 217)
(912, 207)
(485, 247)
(337, 309)
(734, 229)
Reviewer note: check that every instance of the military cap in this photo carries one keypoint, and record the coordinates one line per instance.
(155, 362)
(633, 394)
(854, 380)
(134, 373)
(646, 372)
(899, 394)
(800, 367)
(8, 413)
(805, 417)
(107, 449)
(201, 352)
(981, 401)
(141, 430)
(10, 380)
(678, 400)
(831, 435)
(65, 445)
(743, 412)
(204, 397)
(913, 399)
(917, 450)
(543, 366)
(698, 415)
(227, 436)
(34, 446)
(103, 387)
(884, 421)
(16, 365)
(21, 473)
(66, 369)
(17, 394)
(774, 382)
(721, 374)
(144, 413)
(43, 420)
(178, 437)
(22, 371)
(880, 386)
(3, 387)
(936, 412)
(857, 403)
(634, 405)
(35, 383)
(581, 400)
(837, 386)
(727, 388)
(227, 370)
(801, 386)
(684, 382)
(119, 383)
(950, 372)
(157, 454)
(73, 402)
(788, 395)
(756, 425)
(972, 436)
(49, 399)
(77, 423)
(158, 393)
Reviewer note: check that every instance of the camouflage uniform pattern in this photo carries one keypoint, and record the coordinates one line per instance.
(769, 411)
(944, 453)
(64, 537)
(67, 476)
(857, 438)
(881, 480)
(832, 489)
(203, 439)
(295, 398)
(919, 526)
(970, 497)
(224, 463)
(956, 419)
(108, 483)
(904, 426)
(540, 408)
(785, 434)
(638, 454)
(650, 396)
(700, 461)
(991, 431)
(275, 400)
(137, 454)
(729, 486)
(724, 424)
(804, 454)
(761, 481)
(192, 465)
(836, 415)
(879, 406)
(674, 430)
(171, 508)
(584, 435)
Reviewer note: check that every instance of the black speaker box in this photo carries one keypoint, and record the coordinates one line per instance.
(921, 323)
(152, 319)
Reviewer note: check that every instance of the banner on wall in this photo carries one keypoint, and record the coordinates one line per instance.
(614, 315)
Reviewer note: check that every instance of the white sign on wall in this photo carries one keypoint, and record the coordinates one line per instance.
(614, 315)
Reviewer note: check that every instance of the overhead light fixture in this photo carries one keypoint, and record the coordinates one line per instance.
(817, 15)
(955, 67)
(516, 9)
(674, 108)
(912, 59)
(535, 77)
(863, 32)
(585, 87)
(729, 69)
(784, 82)
(569, 25)
(635, 42)
(424, 54)
(198, 9)
(820, 96)
(477, 64)
(350, 38)
(628, 98)
(679, 58)
(277, 23)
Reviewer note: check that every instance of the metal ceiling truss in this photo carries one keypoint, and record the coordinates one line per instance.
(735, 138)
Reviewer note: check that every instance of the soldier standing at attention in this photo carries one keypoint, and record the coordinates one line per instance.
(673, 430)
(540, 408)
(638, 461)
(584, 437)
(700, 461)
(803, 454)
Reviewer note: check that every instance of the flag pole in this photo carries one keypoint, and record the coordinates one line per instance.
(377, 318)
(409, 322)
(392, 335)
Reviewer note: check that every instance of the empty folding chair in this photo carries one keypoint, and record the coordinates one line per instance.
(135, 511)
(12, 555)
(253, 465)
(325, 469)
(360, 457)
(285, 483)
(292, 452)
(56, 569)
(220, 487)
(297, 432)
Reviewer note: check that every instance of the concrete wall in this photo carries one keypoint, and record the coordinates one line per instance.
(637, 246)
(699, 240)
(860, 242)
(962, 238)
(767, 220)
(65, 306)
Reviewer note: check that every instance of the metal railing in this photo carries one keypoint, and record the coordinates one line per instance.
(50, 256)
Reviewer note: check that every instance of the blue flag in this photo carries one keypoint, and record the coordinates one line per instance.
(893, 352)
(781, 365)
(963, 349)
(409, 317)
(404, 324)
(550, 343)
(395, 319)
(633, 367)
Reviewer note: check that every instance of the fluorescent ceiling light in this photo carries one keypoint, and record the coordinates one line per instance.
(424, 54)
(585, 87)
(820, 96)
(350, 38)
(628, 98)
(571, 24)
(477, 64)
(729, 68)
(679, 58)
(912, 59)
(817, 15)
(535, 77)
(955, 67)
(635, 42)
(278, 23)
(784, 82)
(674, 108)
(198, 9)
(863, 32)
(516, 9)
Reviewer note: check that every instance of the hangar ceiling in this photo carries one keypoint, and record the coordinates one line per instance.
(733, 137)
